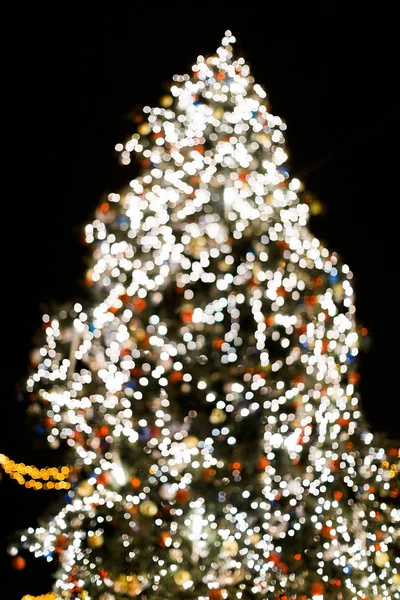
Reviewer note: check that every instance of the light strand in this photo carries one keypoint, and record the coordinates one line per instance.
(20, 471)
(43, 597)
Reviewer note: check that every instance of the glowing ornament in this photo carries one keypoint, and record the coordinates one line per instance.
(165, 539)
(166, 101)
(175, 554)
(167, 491)
(104, 478)
(262, 463)
(187, 313)
(120, 584)
(396, 579)
(139, 304)
(144, 128)
(181, 577)
(135, 482)
(338, 292)
(217, 416)
(133, 587)
(175, 376)
(381, 559)
(255, 538)
(317, 589)
(148, 508)
(334, 465)
(18, 563)
(223, 266)
(231, 547)
(85, 489)
(182, 496)
(264, 139)
(215, 594)
(95, 541)
(326, 531)
(316, 207)
(191, 441)
(208, 474)
(61, 543)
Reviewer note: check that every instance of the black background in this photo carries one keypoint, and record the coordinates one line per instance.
(70, 80)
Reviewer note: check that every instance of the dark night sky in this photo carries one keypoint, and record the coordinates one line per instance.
(69, 82)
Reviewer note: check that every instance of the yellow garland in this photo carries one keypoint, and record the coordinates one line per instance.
(44, 597)
(20, 472)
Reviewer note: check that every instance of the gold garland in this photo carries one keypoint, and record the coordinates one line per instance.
(53, 478)
(44, 597)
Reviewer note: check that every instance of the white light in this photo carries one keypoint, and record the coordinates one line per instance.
(119, 474)
(197, 525)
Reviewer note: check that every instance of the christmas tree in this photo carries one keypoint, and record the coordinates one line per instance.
(207, 394)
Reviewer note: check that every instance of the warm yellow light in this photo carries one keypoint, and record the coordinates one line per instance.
(43, 597)
(18, 470)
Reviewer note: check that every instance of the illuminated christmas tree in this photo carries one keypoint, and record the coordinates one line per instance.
(207, 394)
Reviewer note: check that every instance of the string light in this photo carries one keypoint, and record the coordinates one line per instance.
(210, 392)
(20, 472)
(43, 597)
